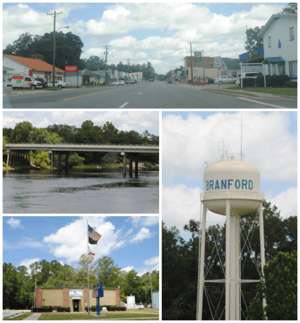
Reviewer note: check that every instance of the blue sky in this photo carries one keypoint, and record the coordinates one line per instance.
(132, 242)
(269, 143)
(122, 120)
(157, 32)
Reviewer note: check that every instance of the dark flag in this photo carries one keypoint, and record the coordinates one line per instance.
(94, 236)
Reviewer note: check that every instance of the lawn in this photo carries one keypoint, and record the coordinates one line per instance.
(233, 92)
(275, 90)
(106, 315)
(20, 317)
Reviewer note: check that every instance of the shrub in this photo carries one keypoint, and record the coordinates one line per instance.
(248, 82)
(291, 84)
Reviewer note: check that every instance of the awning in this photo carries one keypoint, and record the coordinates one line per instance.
(76, 297)
(274, 60)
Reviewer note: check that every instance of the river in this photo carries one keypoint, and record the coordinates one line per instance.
(80, 191)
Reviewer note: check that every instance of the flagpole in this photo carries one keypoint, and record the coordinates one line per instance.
(88, 266)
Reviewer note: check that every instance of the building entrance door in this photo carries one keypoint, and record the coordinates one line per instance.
(75, 305)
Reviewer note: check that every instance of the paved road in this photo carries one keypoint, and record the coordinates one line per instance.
(151, 95)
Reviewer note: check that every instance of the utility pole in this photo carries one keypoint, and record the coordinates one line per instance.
(54, 26)
(191, 63)
(128, 62)
(105, 53)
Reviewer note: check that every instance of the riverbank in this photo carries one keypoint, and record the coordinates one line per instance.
(85, 167)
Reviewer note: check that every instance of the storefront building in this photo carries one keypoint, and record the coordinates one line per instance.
(75, 297)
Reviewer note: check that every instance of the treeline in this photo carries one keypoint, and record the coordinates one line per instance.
(68, 51)
(180, 267)
(19, 284)
(88, 133)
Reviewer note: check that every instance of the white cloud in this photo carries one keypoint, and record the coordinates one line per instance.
(183, 23)
(285, 201)
(267, 143)
(14, 223)
(152, 261)
(70, 241)
(128, 268)
(143, 234)
(146, 221)
(28, 262)
(24, 243)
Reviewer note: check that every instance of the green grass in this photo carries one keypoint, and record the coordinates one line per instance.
(53, 89)
(81, 316)
(275, 90)
(20, 317)
(233, 92)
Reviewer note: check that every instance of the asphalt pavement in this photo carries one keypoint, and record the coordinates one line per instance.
(150, 95)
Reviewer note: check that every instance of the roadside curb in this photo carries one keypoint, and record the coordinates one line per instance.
(252, 94)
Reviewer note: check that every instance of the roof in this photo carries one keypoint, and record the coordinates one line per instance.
(269, 60)
(274, 18)
(35, 64)
(232, 63)
(7, 68)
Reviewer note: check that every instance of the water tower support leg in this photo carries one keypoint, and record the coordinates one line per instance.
(228, 265)
(201, 265)
(262, 243)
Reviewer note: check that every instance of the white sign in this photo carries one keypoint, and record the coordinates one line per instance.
(75, 292)
(218, 61)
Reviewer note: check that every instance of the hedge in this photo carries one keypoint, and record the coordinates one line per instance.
(273, 81)
(50, 309)
(110, 308)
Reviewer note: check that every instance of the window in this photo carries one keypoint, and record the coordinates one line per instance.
(291, 31)
(293, 69)
(269, 41)
(234, 74)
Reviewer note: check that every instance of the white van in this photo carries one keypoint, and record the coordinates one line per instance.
(21, 81)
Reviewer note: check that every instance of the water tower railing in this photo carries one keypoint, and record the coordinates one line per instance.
(230, 156)
(233, 195)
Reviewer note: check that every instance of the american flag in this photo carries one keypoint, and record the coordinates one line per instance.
(94, 236)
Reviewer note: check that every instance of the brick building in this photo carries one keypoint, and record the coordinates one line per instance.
(75, 297)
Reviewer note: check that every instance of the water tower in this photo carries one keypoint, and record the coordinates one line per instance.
(231, 188)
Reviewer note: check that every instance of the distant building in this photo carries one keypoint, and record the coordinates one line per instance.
(280, 45)
(75, 297)
(138, 76)
(230, 67)
(155, 300)
(32, 67)
(5, 71)
(210, 71)
(253, 56)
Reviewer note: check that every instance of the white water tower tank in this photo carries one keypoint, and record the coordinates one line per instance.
(233, 179)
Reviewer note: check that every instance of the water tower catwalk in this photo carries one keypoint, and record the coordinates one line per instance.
(231, 188)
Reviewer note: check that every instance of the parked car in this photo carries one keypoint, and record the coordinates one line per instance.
(169, 81)
(134, 81)
(115, 83)
(250, 75)
(59, 84)
(151, 80)
(225, 79)
(21, 81)
(43, 81)
(121, 82)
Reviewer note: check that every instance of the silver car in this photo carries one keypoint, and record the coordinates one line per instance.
(225, 79)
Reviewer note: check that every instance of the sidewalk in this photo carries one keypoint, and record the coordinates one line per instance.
(33, 317)
(213, 88)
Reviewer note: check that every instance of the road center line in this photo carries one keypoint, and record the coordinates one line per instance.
(123, 105)
(269, 104)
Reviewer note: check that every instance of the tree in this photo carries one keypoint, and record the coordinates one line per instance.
(10, 286)
(21, 46)
(107, 272)
(279, 288)
(22, 132)
(253, 41)
(291, 8)
(133, 285)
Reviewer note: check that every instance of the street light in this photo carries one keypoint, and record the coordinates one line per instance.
(53, 85)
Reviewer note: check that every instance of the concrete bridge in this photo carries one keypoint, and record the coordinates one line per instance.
(19, 154)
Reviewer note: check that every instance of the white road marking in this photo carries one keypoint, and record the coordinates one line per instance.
(140, 93)
(123, 105)
(271, 105)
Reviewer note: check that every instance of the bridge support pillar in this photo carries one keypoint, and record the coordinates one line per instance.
(67, 161)
(136, 168)
(52, 159)
(59, 162)
(130, 166)
(8, 156)
(124, 163)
